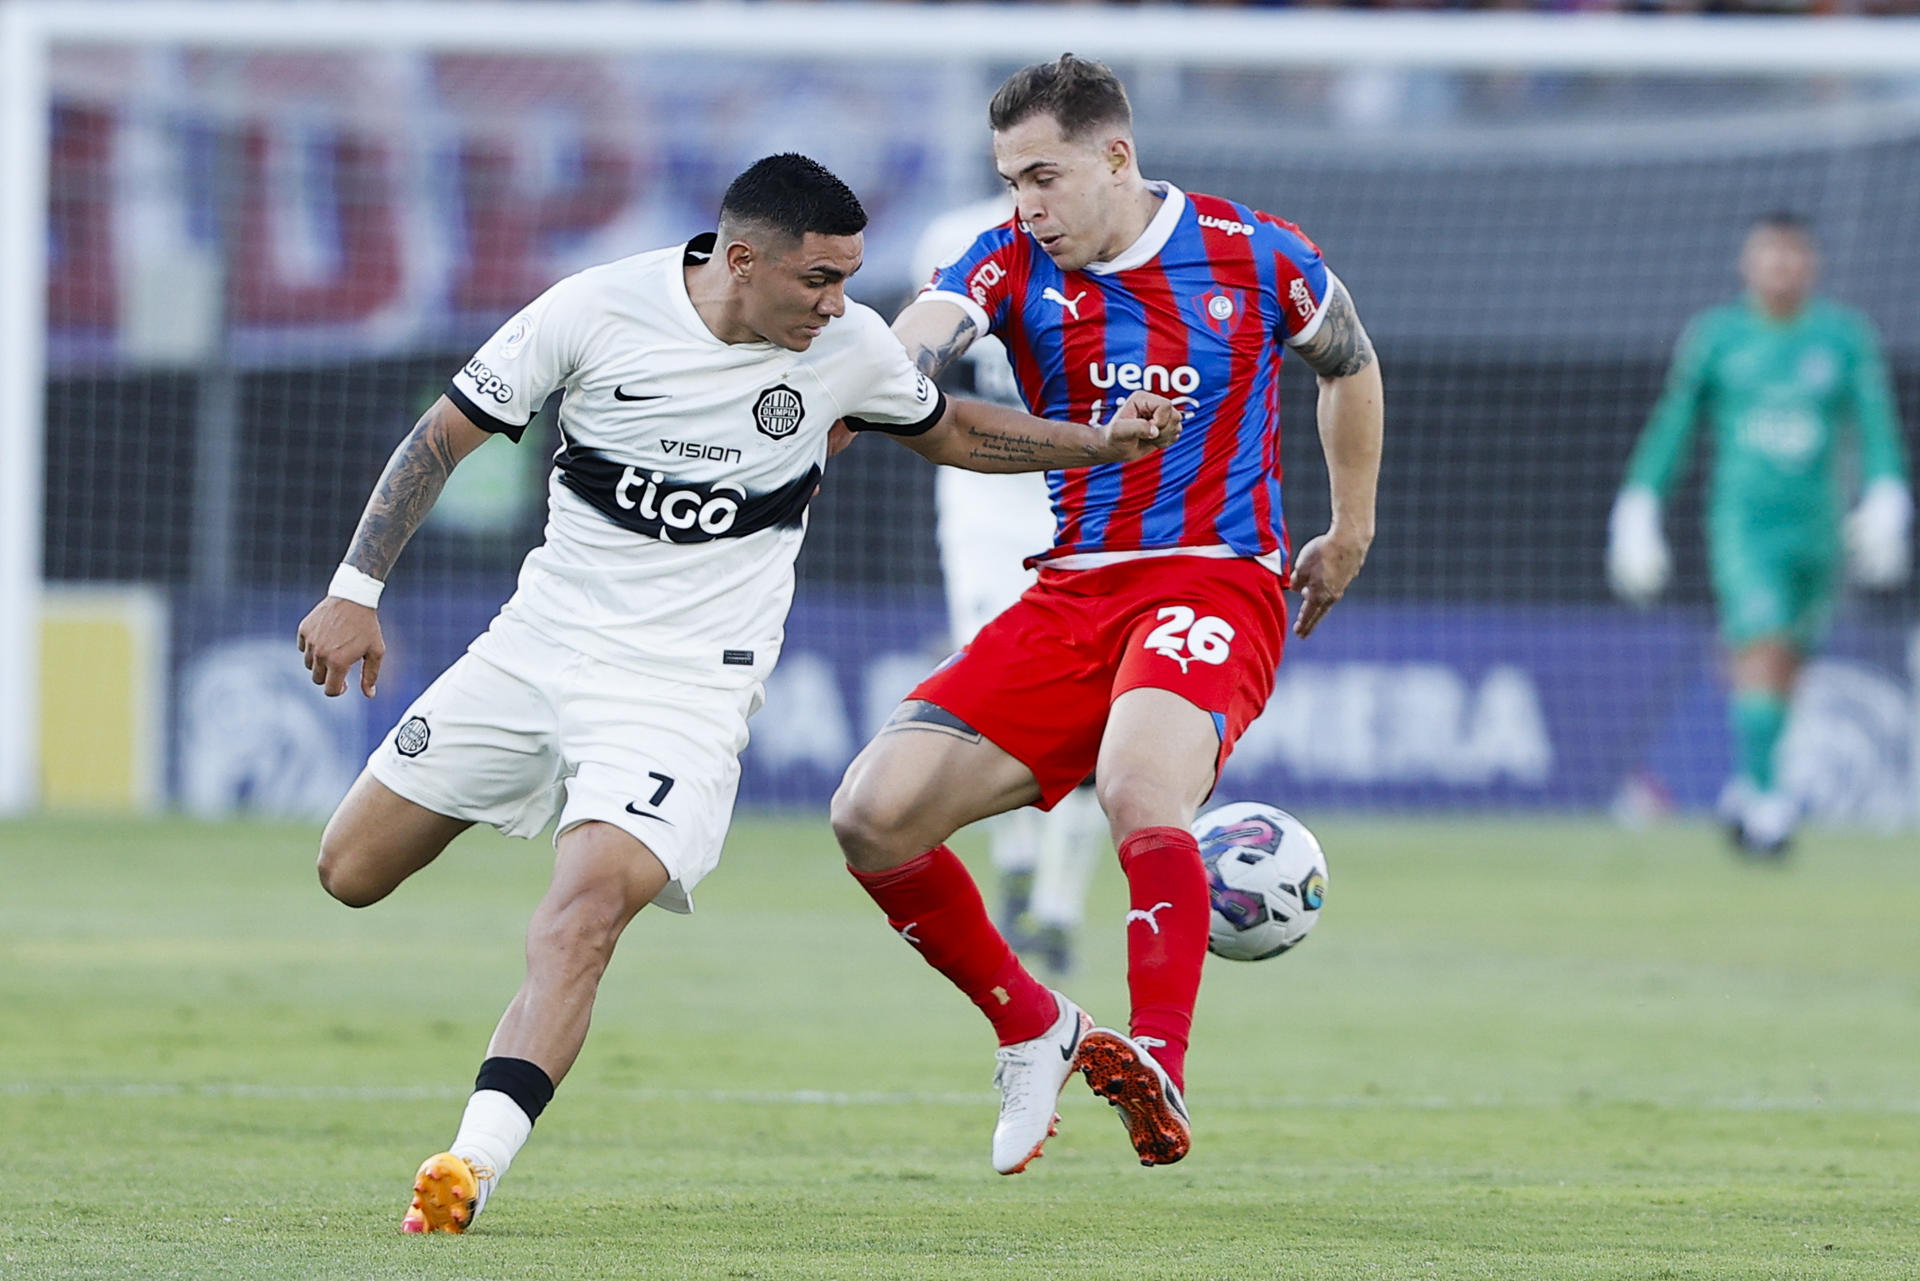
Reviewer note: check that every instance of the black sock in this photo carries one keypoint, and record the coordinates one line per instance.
(523, 1082)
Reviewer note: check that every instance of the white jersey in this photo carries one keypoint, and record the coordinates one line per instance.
(678, 498)
(987, 523)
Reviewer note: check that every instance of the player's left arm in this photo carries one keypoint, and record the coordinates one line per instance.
(978, 435)
(1352, 418)
(1879, 529)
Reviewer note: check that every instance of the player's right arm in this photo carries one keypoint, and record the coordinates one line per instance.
(338, 633)
(936, 331)
(1638, 562)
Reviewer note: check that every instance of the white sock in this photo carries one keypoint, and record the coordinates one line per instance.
(491, 1133)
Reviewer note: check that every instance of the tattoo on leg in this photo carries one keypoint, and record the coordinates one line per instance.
(920, 714)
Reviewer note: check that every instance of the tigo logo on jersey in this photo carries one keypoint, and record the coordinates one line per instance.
(1232, 226)
(488, 383)
(713, 510)
(778, 411)
(1158, 378)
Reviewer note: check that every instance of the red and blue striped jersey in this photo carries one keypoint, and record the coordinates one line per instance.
(1198, 309)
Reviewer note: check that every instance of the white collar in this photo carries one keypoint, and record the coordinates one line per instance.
(1153, 239)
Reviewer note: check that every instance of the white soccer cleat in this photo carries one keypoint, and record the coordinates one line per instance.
(1030, 1076)
(1768, 826)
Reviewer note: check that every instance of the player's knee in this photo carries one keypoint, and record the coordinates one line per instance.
(341, 875)
(577, 937)
(870, 826)
(1135, 799)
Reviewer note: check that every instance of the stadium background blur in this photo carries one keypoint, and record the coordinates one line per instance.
(1525, 1044)
(261, 264)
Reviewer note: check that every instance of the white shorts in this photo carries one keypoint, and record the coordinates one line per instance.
(987, 525)
(521, 729)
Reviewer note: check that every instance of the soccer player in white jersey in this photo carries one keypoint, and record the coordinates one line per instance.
(613, 690)
(986, 526)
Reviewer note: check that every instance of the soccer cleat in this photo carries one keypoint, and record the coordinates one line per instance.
(1767, 826)
(445, 1196)
(1030, 1076)
(1124, 1072)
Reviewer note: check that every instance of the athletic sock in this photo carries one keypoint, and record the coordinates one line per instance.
(1759, 717)
(1166, 939)
(932, 903)
(508, 1097)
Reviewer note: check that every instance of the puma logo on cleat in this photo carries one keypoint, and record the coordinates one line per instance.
(906, 932)
(1148, 916)
(1071, 305)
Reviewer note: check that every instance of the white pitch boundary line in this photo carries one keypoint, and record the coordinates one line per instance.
(928, 1098)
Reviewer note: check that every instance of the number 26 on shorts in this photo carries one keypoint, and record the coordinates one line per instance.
(1184, 637)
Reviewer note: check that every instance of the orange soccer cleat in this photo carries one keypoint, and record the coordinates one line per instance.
(446, 1195)
(1124, 1072)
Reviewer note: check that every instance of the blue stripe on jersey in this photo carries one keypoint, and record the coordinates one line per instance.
(1126, 343)
(1044, 343)
(1164, 522)
(1237, 525)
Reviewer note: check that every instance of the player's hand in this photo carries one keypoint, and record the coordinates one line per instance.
(1879, 535)
(1322, 572)
(1637, 561)
(334, 636)
(1146, 422)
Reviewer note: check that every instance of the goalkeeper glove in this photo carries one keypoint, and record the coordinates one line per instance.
(1637, 559)
(1878, 546)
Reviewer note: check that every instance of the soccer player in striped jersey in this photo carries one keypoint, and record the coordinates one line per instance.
(1152, 636)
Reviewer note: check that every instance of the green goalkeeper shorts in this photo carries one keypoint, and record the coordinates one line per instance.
(1774, 588)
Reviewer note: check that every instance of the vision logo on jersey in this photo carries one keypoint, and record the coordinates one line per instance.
(488, 383)
(778, 411)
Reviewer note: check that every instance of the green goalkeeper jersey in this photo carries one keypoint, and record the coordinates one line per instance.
(1778, 394)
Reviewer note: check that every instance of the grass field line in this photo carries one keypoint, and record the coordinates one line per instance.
(241, 1090)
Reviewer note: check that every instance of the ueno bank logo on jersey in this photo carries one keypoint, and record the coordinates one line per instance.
(1232, 226)
(1180, 379)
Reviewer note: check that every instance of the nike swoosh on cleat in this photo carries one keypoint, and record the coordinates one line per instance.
(1067, 1050)
(619, 394)
(643, 814)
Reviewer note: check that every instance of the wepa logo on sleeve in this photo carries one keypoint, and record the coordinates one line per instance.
(488, 383)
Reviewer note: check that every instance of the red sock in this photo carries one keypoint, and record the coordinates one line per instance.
(1166, 938)
(933, 904)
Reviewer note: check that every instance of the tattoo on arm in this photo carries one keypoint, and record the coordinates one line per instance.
(406, 491)
(1017, 449)
(1340, 347)
(934, 351)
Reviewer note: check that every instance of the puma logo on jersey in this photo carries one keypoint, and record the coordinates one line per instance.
(1072, 305)
(1149, 916)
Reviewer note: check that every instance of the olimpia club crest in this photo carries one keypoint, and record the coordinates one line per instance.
(778, 411)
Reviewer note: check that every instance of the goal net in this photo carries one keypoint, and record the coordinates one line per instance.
(266, 235)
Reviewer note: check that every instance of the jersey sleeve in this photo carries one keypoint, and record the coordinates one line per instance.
(1662, 447)
(980, 279)
(1874, 417)
(531, 357)
(889, 395)
(1301, 280)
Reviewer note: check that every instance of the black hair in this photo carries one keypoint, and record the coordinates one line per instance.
(1079, 93)
(1784, 220)
(790, 196)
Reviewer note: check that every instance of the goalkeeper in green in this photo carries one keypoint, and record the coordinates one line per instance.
(1777, 375)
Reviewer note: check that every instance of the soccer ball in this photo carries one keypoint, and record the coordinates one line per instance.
(1268, 878)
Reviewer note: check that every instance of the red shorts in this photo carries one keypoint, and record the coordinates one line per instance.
(1038, 680)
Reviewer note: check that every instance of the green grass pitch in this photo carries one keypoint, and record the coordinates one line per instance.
(1528, 1050)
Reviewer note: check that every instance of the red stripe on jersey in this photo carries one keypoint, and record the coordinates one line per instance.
(1083, 346)
(1233, 268)
(1167, 347)
(1285, 225)
(1032, 379)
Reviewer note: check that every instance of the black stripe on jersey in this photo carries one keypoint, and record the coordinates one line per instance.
(481, 418)
(920, 428)
(679, 511)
